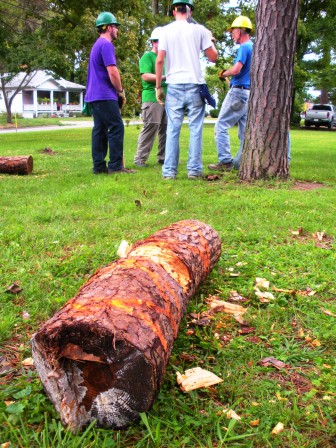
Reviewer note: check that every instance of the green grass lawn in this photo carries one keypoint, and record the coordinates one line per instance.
(61, 223)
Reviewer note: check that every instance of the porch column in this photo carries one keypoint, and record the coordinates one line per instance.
(51, 101)
(35, 102)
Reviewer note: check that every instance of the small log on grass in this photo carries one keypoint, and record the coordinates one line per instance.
(103, 356)
(16, 165)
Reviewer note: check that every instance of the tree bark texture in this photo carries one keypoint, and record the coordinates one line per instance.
(103, 356)
(266, 134)
(16, 165)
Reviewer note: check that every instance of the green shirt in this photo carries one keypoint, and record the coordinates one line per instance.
(147, 65)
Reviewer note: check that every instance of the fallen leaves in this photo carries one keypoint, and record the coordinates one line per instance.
(273, 362)
(328, 313)
(14, 288)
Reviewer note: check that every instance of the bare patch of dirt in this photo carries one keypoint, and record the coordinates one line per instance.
(307, 186)
(299, 382)
(48, 151)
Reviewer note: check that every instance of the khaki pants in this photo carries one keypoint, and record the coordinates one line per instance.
(155, 123)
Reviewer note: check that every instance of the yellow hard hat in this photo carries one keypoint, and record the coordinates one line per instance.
(241, 22)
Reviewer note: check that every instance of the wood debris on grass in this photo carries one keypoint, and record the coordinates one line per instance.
(14, 288)
(255, 422)
(196, 378)
(47, 150)
(264, 296)
(273, 362)
(123, 249)
(229, 414)
(299, 231)
(218, 305)
(279, 427)
(328, 313)
(235, 297)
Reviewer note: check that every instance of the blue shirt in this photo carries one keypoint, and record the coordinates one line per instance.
(244, 55)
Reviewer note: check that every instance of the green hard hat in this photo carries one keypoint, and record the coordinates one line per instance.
(184, 2)
(106, 18)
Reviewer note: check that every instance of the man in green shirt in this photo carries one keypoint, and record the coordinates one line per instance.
(153, 114)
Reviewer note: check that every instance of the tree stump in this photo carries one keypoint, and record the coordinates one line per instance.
(103, 356)
(16, 165)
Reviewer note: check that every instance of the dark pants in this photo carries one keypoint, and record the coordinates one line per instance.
(108, 131)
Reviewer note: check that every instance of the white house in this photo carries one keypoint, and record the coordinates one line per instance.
(44, 93)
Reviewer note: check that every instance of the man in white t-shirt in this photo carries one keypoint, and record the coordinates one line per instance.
(181, 43)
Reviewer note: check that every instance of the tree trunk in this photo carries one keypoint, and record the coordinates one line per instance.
(16, 165)
(324, 96)
(266, 136)
(155, 7)
(103, 356)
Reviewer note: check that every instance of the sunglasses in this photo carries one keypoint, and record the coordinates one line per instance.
(155, 40)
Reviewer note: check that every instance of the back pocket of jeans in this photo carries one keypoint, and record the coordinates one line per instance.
(237, 104)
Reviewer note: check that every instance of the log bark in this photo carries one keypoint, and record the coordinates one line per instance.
(16, 165)
(103, 356)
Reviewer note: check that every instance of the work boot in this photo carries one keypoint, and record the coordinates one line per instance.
(221, 166)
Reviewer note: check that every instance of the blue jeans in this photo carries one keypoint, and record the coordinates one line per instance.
(181, 98)
(233, 111)
(108, 131)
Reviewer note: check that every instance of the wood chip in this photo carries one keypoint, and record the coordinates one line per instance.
(255, 422)
(278, 428)
(28, 362)
(226, 307)
(196, 378)
(123, 249)
(262, 282)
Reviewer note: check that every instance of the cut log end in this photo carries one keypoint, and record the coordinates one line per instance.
(111, 383)
(16, 165)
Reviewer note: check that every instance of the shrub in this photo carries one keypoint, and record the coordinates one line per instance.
(214, 113)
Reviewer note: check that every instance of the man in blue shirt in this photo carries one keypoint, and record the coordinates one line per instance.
(235, 105)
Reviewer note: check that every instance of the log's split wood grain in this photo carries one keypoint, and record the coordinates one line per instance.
(103, 356)
(16, 165)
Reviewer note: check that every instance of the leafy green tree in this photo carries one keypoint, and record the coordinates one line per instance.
(316, 44)
(21, 44)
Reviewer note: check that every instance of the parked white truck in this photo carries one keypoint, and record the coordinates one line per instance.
(321, 115)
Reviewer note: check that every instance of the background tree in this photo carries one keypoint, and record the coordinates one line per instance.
(21, 44)
(266, 135)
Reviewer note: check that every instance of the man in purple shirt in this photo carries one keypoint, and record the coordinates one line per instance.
(105, 94)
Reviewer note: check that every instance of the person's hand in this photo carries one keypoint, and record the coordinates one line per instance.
(121, 99)
(221, 75)
(211, 36)
(160, 96)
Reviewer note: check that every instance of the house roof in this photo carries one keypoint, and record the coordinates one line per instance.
(39, 77)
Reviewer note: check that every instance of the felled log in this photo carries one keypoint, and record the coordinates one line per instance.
(16, 165)
(103, 356)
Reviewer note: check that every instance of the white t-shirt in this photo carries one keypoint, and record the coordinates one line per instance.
(183, 42)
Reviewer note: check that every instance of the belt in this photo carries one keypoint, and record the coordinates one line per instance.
(240, 87)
